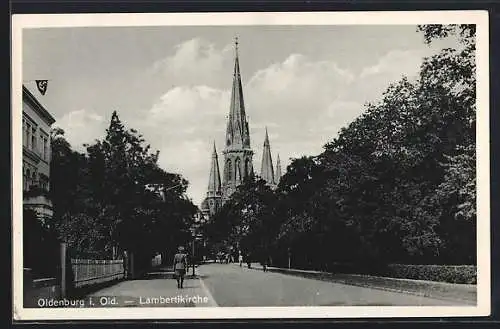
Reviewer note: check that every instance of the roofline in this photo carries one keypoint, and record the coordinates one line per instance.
(38, 107)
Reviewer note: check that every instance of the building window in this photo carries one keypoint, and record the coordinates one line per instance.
(43, 182)
(33, 140)
(34, 181)
(25, 135)
(29, 135)
(44, 147)
(27, 180)
(247, 168)
(229, 174)
(237, 169)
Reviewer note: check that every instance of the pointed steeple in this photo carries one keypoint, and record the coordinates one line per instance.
(214, 180)
(237, 132)
(277, 175)
(266, 171)
(237, 152)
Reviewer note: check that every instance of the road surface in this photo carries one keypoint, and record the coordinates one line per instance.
(231, 285)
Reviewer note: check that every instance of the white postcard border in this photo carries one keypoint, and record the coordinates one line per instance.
(480, 18)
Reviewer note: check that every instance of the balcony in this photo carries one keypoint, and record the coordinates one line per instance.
(38, 199)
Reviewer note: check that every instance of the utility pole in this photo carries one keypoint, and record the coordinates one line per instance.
(193, 236)
(193, 254)
(289, 258)
(63, 256)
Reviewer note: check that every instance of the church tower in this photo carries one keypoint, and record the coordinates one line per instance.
(267, 171)
(277, 174)
(214, 197)
(237, 153)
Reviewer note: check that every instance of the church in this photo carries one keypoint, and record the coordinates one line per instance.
(237, 154)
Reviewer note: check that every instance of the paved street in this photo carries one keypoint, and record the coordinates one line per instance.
(230, 285)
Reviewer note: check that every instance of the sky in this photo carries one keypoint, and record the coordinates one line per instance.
(172, 84)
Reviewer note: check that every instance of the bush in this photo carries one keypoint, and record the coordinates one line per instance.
(464, 274)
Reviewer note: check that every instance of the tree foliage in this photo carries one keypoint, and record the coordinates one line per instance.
(397, 184)
(115, 196)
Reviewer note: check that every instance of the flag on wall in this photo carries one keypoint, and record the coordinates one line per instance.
(42, 86)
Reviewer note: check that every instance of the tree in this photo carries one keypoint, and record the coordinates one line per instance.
(246, 220)
(393, 177)
(397, 184)
(113, 197)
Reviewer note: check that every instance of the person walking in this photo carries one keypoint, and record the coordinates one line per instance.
(265, 262)
(240, 259)
(180, 265)
(249, 262)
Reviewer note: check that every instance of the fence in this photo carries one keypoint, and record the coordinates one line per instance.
(88, 271)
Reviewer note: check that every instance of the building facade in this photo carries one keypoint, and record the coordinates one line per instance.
(37, 122)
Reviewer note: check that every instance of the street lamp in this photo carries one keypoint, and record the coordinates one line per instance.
(168, 189)
(193, 235)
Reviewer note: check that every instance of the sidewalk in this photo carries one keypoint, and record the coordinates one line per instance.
(466, 293)
(159, 291)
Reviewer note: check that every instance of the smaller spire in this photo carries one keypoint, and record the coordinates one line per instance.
(277, 175)
(214, 183)
(267, 170)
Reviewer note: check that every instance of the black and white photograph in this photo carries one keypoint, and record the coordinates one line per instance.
(250, 165)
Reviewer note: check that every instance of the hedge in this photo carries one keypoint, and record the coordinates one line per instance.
(464, 274)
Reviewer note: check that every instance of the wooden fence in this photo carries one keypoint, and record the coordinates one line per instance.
(88, 271)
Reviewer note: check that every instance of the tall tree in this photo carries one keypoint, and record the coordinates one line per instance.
(116, 197)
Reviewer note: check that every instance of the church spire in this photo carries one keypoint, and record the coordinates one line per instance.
(266, 171)
(277, 175)
(237, 133)
(214, 180)
(237, 152)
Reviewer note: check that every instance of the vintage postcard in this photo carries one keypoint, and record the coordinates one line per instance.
(250, 165)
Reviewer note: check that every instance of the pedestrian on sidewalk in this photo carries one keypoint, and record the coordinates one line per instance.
(240, 259)
(265, 262)
(180, 265)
